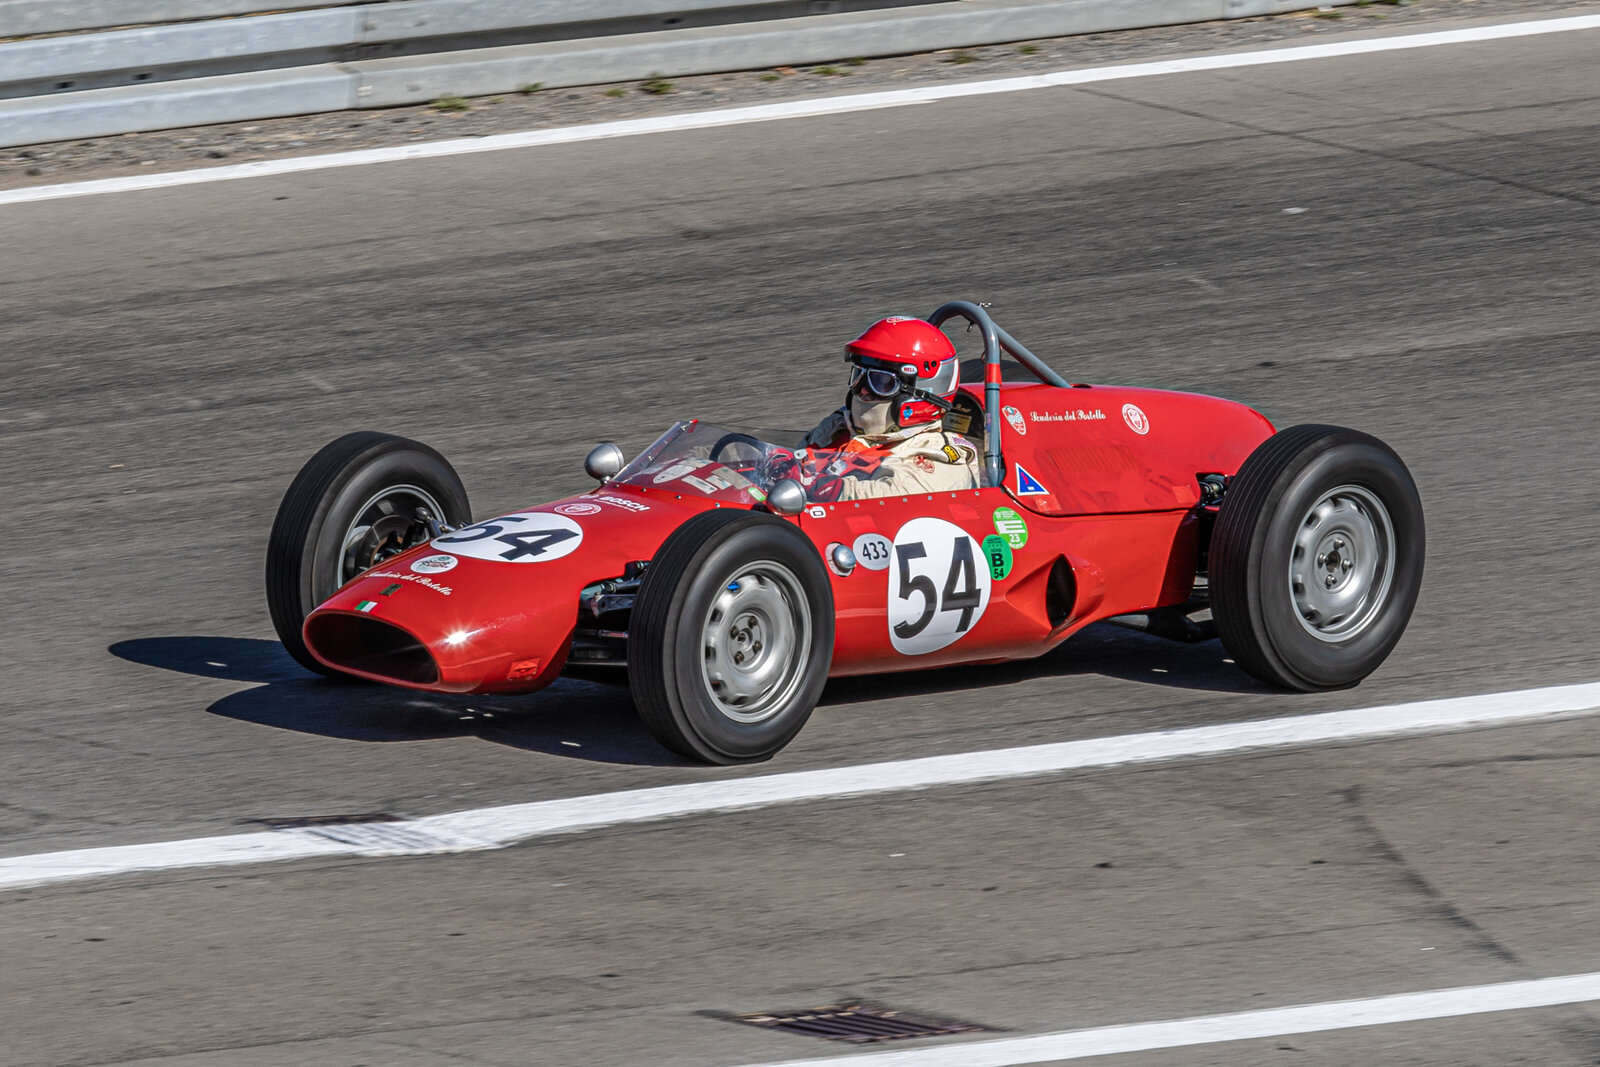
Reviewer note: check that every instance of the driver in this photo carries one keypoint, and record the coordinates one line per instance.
(889, 435)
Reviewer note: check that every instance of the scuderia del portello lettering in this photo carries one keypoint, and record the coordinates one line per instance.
(1078, 415)
(416, 579)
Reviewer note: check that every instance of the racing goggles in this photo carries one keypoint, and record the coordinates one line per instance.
(882, 383)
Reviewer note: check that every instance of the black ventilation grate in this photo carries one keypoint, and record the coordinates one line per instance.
(858, 1023)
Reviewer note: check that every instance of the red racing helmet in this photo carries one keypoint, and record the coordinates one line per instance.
(909, 362)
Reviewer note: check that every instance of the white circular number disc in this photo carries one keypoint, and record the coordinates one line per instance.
(938, 586)
(527, 537)
(873, 551)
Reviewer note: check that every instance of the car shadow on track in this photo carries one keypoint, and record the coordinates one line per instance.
(590, 721)
(1107, 651)
(578, 720)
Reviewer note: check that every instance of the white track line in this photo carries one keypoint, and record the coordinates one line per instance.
(497, 827)
(700, 120)
(1241, 1026)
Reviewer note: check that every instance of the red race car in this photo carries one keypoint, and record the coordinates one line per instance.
(701, 573)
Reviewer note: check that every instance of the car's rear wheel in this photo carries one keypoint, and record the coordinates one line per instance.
(1316, 558)
(363, 498)
(731, 637)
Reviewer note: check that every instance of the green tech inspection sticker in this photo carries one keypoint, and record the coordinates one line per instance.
(998, 553)
(1011, 526)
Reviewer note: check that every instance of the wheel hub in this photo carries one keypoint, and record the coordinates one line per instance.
(754, 643)
(1342, 565)
(386, 525)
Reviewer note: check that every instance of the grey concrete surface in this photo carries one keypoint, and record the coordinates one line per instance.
(1110, 897)
(195, 77)
(157, 151)
(171, 359)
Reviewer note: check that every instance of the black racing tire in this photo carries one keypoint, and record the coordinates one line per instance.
(759, 577)
(1316, 558)
(344, 482)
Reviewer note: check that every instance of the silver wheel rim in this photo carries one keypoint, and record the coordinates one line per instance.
(1342, 565)
(753, 643)
(386, 525)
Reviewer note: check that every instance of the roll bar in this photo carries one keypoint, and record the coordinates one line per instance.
(994, 339)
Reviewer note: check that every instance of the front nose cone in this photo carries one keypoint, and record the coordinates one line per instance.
(370, 647)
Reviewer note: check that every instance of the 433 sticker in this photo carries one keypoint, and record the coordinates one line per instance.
(531, 537)
(938, 586)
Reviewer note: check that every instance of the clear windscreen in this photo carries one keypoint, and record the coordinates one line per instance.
(732, 466)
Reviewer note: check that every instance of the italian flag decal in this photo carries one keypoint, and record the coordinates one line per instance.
(366, 605)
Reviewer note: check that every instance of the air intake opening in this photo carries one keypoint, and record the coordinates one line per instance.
(357, 643)
(1061, 592)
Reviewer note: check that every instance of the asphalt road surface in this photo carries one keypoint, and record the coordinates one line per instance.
(1406, 243)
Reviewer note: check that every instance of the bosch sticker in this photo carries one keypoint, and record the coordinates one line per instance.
(624, 502)
(1011, 526)
(997, 553)
(873, 551)
(1014, 417)
(1135, 419)
(578, 507)
(530, 537)
(434, 564)
(938, 586)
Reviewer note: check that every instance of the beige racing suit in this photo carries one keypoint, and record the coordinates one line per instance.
(918, 459)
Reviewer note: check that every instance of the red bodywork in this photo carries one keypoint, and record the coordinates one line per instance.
(1104, 481)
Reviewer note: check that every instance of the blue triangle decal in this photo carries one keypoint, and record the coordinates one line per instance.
(1028, 485)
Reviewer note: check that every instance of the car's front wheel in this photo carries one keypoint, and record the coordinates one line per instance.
(1316, 558)
(731, 637)
(363, 498)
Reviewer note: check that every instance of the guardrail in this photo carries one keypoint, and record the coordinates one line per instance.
(21, 17)
(312, 57)
(347, 32)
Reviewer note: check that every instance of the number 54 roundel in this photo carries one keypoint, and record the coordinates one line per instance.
(938, 586)
(531, 537)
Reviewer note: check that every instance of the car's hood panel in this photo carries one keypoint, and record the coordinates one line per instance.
(1100, 450)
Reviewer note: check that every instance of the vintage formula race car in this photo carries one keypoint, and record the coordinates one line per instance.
(702, 574)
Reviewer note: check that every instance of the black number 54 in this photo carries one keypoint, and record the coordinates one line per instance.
(960, 592)
(522, 542)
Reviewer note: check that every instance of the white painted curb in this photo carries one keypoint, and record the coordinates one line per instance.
(497, 827)
(1239, 1026)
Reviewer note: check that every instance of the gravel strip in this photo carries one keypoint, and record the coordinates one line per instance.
(199, 146)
